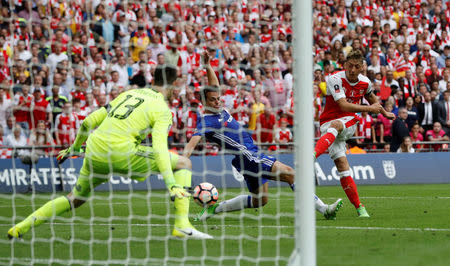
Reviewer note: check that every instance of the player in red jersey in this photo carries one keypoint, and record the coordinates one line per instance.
(338, 122)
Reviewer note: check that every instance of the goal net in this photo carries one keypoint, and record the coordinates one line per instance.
(63, 60)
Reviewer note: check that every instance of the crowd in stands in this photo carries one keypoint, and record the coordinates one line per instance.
(407, 50)
(62, 59)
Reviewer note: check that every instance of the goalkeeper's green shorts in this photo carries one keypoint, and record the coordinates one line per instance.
(137, 166)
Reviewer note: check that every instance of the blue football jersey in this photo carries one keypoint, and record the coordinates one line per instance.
(224, 130)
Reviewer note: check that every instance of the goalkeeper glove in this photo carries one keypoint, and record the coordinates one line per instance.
(68, 153)
(177, 191)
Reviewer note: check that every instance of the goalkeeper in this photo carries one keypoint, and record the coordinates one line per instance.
(114, 147)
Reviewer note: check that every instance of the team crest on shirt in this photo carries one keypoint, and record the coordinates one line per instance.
(336, 88)
(389, 169)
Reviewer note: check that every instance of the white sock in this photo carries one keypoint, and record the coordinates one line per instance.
(320, 206)
(237, 203)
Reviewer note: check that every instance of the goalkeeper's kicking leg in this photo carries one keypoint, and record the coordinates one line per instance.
(258, 198)
(56, 207)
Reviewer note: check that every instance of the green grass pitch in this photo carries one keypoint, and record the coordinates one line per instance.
(409, 225)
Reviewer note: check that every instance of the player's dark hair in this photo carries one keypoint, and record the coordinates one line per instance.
(165, 75)
(355, 55)
(207, 89)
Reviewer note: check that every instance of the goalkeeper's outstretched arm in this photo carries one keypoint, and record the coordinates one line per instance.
(89, 123)
(92, 121)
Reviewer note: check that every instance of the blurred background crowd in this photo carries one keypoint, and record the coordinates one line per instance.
(62, 59)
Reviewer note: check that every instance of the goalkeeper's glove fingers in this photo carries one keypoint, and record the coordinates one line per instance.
(177, 191)
(67, 153)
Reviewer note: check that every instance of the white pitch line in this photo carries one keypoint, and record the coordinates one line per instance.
(94, 204)
(385, 228)
(370, 228)
(270, 198)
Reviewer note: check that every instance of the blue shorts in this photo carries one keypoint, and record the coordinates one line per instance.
(255, 168)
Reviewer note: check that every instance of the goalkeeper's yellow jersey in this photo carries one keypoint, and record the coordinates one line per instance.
(129, 119)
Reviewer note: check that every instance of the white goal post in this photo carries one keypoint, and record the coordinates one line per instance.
(305, 232)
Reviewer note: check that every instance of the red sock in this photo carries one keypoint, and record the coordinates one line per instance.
(323, 143)
(350, 189)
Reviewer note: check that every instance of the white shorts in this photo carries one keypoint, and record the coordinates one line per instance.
(338, 148)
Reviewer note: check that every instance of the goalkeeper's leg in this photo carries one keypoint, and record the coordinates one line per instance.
(56, 207)
(143, 163)
(52, 208)
(183, 228)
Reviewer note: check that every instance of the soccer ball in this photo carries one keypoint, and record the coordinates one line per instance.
(205, 194)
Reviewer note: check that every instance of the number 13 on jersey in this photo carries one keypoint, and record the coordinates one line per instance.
(122, 110)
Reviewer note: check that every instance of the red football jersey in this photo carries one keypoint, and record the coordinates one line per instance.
(339, 87)
(267, 124)
(22, 114)
(67, 126)
(40, 110)
(191, 123)
(284, 135)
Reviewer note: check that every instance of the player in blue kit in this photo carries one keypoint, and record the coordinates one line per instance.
(218, 126)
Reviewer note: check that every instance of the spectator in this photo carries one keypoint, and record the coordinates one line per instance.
(283, 134)
(386, 85)
(445, 80)
(16, 139)
(66, 126)
(265, 126)
(409, 82)
(40, 136)
(384, 125)
(399, 129)
(240, 110)
(56, 102)
(256, 109)
(157, 47)
(122, 69)
(38, 85)
(406, 146)
(278, 93)
(79, 112)
(29, 14)
(441, 59)
(437, 134)
(412, 112)
(41, 109)
(427, 112)
(140, 79)
(5, 106)
(444, 112)
(354, 147)
(22, 104)
(56, 57)
(367, 128)
(23, 53)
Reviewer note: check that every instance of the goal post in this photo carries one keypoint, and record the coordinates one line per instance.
(305, 232)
